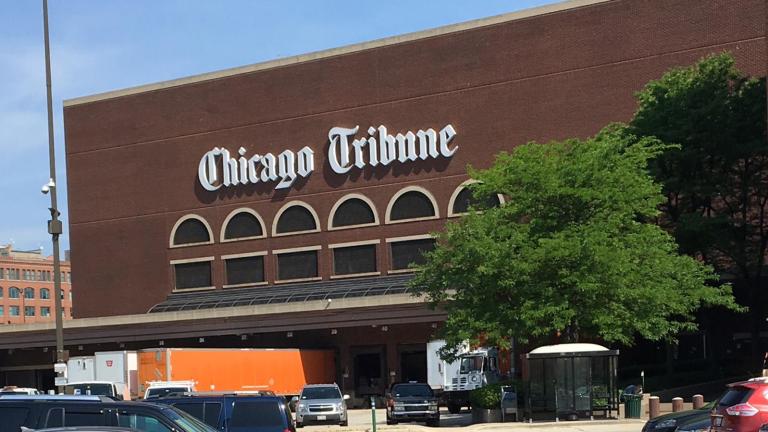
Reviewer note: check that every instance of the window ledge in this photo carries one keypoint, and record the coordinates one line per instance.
(354, 275)
(310, 279)
(245, 285)
(183, 290)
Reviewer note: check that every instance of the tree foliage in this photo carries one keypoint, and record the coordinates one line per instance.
(715, 181)
(574, 252)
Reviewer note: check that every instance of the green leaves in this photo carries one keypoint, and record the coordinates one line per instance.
(574, 250)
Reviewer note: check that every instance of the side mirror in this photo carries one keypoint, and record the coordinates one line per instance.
(346, 397)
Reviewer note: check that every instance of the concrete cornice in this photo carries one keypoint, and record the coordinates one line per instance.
(333, 52)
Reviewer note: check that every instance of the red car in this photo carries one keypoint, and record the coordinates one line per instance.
(743, 407)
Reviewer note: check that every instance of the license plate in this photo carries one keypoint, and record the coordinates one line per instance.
(321, 417)
(717, 421)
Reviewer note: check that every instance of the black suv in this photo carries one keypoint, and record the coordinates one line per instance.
(412, 402)
(232, 412)
(38, 412)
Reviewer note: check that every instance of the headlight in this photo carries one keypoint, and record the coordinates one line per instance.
(339, 406)
(666, 424)
(301, 407)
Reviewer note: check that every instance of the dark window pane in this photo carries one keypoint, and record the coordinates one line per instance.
(212, 412)
(297, 265)
(55, 418)
(253, 414)
(355, 259)
(245, 270)
(193, 275)
(83, 419)
(29, 293)
(735, 396)
(45, 293)
(141, 422)
(193, 408)
(465, 199)
(411, 205)
(243, 225)
(296, 218)
(406, 252)
(14, 292)
(13, 419)
(191, 231)
(353, 211)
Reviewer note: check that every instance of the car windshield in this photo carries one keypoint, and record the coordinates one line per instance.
(247, 415)
(90, 389)
(163, 391)
(412, 390)
(186, 421)
(320, 393)
(473, 363)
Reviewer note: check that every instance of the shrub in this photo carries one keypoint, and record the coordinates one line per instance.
(488, 397)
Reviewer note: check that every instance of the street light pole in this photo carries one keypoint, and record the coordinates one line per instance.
(54, 225)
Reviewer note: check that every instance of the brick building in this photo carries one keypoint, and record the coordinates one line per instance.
(279, 204)
(26, 287)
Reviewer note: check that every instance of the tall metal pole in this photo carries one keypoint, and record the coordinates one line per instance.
(54, 225)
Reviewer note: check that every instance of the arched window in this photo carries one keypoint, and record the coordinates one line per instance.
(242, 224)
(296, 217)
(353, 210)
(190, 230)
(14, 292)
(29, 293)
(463, 198)
(45, 293)
(412, 203)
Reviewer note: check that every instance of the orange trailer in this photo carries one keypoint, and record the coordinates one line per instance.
(284, 371)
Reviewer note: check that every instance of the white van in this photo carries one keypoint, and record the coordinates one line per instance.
(157, 389)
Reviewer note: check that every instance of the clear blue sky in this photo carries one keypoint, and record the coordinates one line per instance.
(100, 45)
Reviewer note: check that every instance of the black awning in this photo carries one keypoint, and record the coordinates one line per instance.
(285, 293)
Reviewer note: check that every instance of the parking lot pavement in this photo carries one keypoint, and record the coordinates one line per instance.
(360, 420)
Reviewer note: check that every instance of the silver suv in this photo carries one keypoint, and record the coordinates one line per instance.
(321, 403)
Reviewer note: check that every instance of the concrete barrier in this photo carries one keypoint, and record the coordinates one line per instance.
(677, 404)
(653, 407)
(698, 401)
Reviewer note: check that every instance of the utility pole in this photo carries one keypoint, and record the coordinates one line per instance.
(54, 225)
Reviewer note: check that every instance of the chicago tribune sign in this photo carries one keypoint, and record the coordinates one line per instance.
(219, 168)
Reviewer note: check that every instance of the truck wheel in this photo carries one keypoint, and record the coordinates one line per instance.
(299, 425)
(433, 422)
(345, 423)
(454, 408)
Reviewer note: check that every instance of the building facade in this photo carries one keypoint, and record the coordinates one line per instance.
(26, 287)
(281, 204)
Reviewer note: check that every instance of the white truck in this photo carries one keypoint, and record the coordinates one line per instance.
(117, 367)
(473, 369)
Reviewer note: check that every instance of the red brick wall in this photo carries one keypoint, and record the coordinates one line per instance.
(132, 160)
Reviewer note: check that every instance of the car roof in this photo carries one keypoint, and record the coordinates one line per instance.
(192, 396)
(67, 398)
(89, 382)
(321, 385)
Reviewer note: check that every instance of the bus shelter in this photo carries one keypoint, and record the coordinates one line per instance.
(571, 381)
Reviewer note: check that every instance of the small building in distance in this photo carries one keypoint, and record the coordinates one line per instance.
(26, 287)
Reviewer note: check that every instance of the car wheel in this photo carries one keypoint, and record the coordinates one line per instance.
(391, 422)
(345, 423)
(299, 425)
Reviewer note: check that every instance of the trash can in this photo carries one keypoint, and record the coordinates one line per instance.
(508, 404)
(632, 405)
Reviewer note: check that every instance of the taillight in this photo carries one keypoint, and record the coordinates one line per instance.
(287, 430)
(742, 410)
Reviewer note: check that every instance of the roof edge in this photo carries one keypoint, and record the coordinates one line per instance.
(332, 52)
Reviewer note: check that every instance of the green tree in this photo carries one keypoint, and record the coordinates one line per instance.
(574, 252)
(715, 181)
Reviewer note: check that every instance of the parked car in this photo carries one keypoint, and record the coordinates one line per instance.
(19, 390)
(232, 412)
(672, 422)
(412, 402)
(98, 388)
(87, 429)
(39, 412)
(743, 407)
(163, 388)
(321, 403)
(697, 425)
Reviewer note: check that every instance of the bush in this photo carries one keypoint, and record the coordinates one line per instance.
(488, 397)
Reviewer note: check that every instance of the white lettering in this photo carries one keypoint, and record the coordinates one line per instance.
(446, 135)
(338, 152)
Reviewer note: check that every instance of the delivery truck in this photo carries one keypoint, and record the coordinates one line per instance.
(117, 367)
(283, 371)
